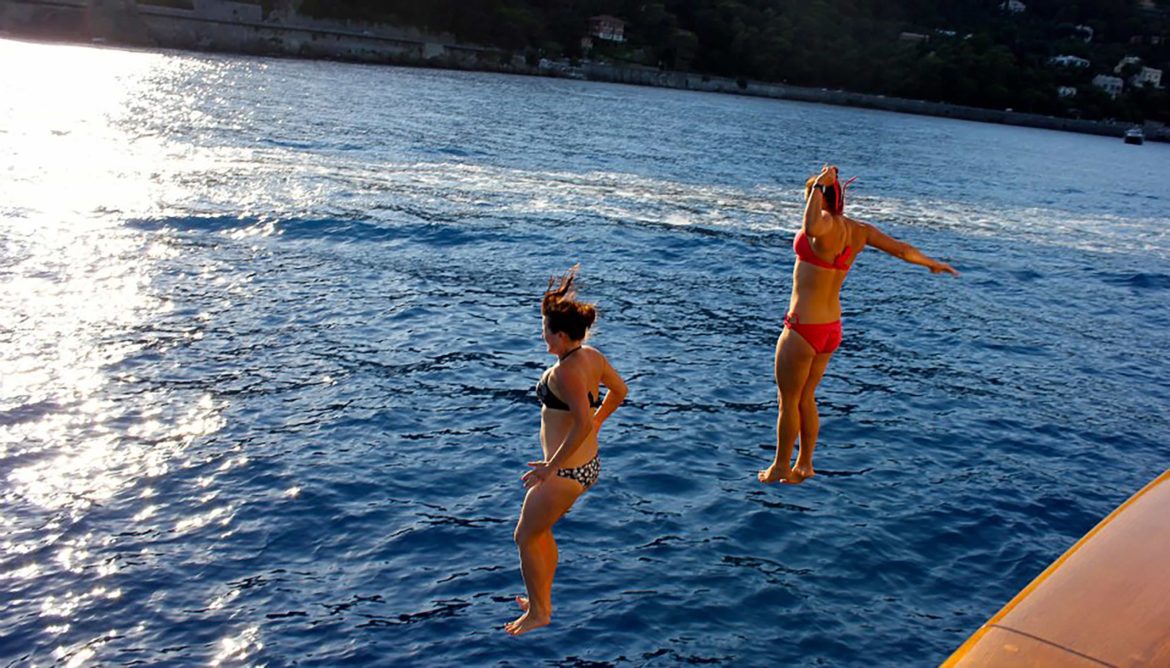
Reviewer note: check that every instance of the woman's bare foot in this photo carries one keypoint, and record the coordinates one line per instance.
(522, 601)
(775, 473)
(801, 473)
(525, 623)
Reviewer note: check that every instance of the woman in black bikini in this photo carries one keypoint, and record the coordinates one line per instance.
(572, 413)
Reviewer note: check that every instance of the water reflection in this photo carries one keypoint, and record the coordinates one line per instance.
(79, 290)
(237, 648)
(77, 469)
(63, 141)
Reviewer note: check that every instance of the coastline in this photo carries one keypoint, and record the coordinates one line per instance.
(242, 29)
(688, 81)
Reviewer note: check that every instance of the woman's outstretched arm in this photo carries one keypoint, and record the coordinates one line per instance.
(903, 251)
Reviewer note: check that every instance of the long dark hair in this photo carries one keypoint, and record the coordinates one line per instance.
(561, 309)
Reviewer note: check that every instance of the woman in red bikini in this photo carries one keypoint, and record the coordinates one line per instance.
(826, 246)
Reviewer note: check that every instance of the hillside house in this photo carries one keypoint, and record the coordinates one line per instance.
(1068, 61)
(1111, 85)
(1014, 7)
(1149, 76)
(606, 27)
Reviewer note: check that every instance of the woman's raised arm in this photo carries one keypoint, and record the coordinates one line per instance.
(815, 222)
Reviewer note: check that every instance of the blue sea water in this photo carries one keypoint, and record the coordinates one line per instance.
(270, 330)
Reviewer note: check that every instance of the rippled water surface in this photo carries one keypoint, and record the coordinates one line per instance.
(270, 330)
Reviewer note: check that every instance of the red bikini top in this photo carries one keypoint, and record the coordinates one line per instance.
(804, 252)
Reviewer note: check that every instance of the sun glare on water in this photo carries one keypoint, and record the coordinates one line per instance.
(80, 290)
(61, 111)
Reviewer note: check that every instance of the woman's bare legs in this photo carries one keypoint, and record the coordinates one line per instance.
(793, 364)
(810, 419)
(543, 506)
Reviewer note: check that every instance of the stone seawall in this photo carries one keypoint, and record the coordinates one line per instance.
(126, 23)
(173, 29)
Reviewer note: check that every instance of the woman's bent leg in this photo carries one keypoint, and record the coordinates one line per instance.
(810, 419)
(543, 506)
(794, 358)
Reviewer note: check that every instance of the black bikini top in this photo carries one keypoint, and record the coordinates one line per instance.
(550, 400)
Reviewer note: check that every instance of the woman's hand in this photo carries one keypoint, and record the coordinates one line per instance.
(943, 268)
(540, 472)
(827, 177)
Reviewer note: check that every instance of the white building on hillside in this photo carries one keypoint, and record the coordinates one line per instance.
(1148, 77)
(1014, 7)
(1068, 61)
(1142, 76)
(1111, 85)
(607, 27)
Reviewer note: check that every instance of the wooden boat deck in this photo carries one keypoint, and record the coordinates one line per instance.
(1104, 602)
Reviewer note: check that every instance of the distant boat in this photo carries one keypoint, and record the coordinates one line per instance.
(1135, 136)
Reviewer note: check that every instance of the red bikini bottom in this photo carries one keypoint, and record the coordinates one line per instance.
(824, 337)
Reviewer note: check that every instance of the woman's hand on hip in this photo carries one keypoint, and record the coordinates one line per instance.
(540, 472)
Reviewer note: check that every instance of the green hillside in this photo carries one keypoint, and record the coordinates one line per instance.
(971, 52)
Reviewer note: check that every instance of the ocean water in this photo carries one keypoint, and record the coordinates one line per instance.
(270, 330)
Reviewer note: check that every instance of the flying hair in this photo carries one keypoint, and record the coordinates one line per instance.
(561, 309)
